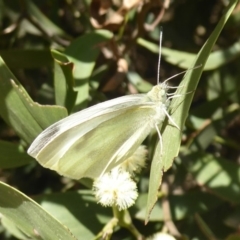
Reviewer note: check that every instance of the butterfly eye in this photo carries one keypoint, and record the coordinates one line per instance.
(162, 93)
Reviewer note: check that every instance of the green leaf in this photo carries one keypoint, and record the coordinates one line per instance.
(77, 210)
(63, 81)
(45, 23)
(83, 52)
(217, 174)
(179, 108)
(33, 11)
(13, 155)
(52, 29)
(18, 110)
(182, 206)
(29, 217)
(140, 84)
(184, 59)
(204, 227)
(12, 228)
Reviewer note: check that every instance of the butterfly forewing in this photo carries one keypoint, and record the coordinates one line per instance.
(88, 143)
(68, 124)
(107, 145)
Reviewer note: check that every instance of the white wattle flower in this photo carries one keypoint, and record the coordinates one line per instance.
(162, 236)
(136, 162)
(115, 188)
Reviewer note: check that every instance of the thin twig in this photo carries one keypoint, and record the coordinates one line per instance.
(167, 212)
(151, 27)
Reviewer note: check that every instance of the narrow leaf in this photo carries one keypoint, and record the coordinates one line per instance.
(179, 108)
(83, 52)
(13, 155)
(18, 110)
(63, 81)
(29, 217)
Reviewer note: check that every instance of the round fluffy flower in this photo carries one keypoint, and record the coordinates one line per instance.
(115, 188)
(136, 162)
(162, 236)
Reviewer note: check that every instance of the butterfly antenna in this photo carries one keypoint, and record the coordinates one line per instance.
(159, 57)
(182, 72)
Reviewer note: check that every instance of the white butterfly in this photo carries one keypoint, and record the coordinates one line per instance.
(95, 140)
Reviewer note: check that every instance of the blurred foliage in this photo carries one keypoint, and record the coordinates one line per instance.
(76, 53)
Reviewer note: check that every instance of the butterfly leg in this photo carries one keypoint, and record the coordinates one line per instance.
(171, 119)
(160, 139)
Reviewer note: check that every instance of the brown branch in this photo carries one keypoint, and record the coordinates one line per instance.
(151, 27)
(167, 212)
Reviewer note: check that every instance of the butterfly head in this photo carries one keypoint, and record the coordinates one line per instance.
(158, 93)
